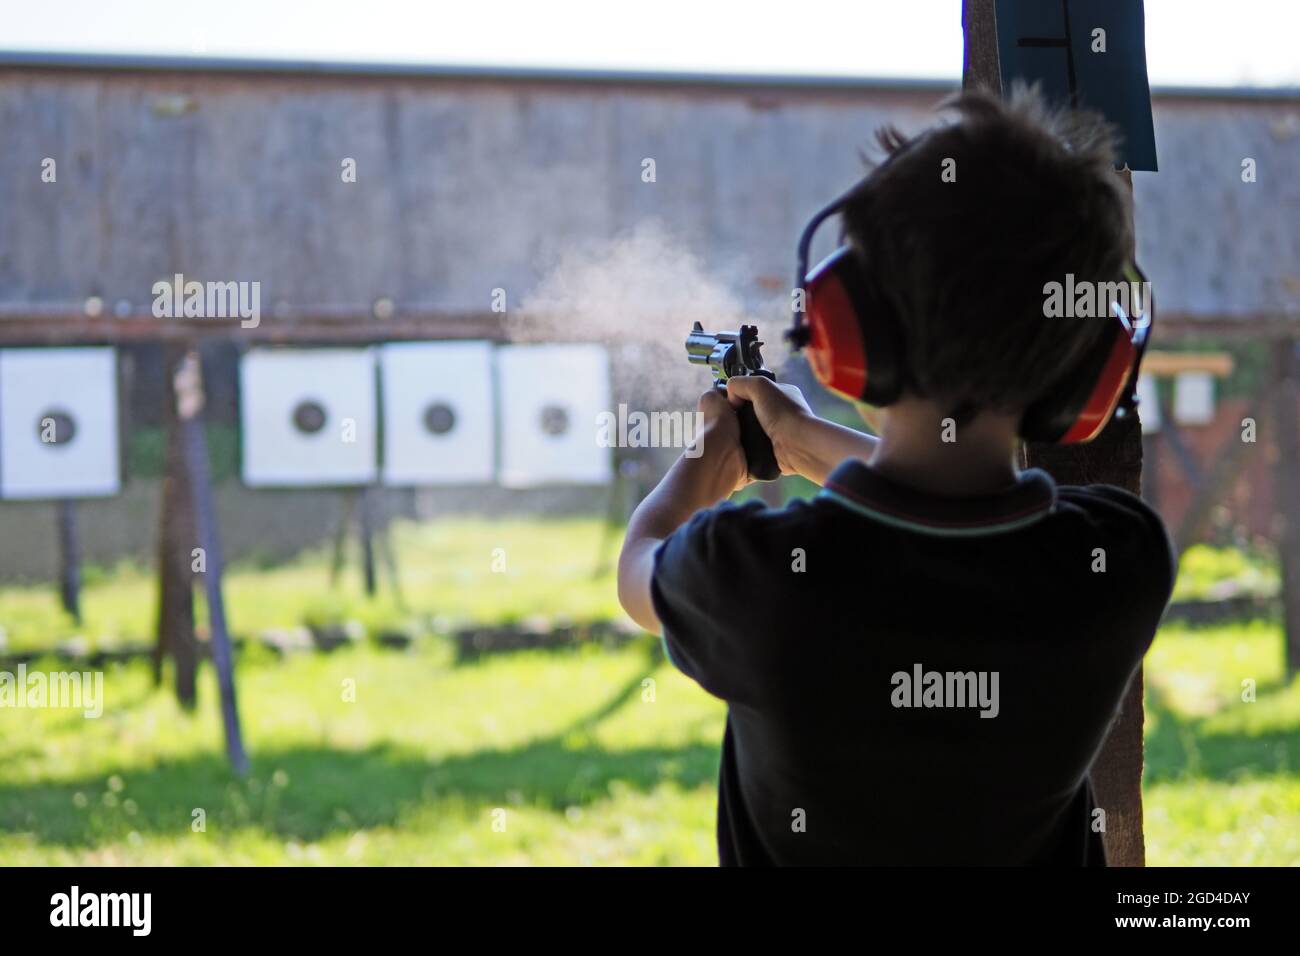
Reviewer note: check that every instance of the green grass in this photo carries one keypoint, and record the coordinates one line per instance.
(1203, 571)
(1222, 781)
(586, 767)
(446, 574)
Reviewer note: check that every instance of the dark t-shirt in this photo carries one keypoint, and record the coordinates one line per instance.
(913, 679)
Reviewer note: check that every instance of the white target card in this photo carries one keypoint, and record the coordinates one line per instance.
(58, 423)
(438, 414)
(309, 417)
(551, 398)
(1194, 398)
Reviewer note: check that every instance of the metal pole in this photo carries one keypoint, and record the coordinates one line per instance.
(189, 394)
(69, 559)
(365, 507)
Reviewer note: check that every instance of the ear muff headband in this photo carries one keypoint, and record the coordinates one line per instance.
(799, 332)
(842, 322)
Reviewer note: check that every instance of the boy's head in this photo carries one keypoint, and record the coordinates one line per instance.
(960, 230)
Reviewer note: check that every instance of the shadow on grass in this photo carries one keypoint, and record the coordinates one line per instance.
(1178, 746)
(328, 791)
(308, 793)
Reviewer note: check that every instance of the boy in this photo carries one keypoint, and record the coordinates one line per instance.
(894, 696)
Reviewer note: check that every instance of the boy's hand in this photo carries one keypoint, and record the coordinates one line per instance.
(719, 440)
(780, 409)
(804, 444)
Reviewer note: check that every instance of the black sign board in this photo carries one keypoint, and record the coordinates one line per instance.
(1086, 53)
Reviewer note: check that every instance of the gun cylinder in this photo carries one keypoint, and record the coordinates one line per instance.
(699, 346)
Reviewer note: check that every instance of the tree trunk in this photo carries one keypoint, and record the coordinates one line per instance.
(176, 540)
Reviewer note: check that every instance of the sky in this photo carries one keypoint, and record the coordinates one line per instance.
(1189, 42)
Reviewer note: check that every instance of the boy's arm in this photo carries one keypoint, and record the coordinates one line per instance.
(689, 485)
(805, 445)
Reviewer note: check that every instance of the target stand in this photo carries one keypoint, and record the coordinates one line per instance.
(59, 440)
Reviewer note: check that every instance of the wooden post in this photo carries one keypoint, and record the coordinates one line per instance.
(189, 394)
(1115, 458)
(69, 559)
(980, 62)
(388, 554)
(175, 543)
(347, 504)
(365, 511)
(373, 532)
(1286, 483)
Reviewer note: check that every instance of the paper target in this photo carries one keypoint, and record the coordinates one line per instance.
(308, 417)
(438, 419)
(58, 423)
(551, 397)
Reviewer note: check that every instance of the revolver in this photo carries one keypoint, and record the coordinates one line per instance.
(728, 354)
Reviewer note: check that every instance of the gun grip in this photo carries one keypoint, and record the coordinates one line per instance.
(758, 447)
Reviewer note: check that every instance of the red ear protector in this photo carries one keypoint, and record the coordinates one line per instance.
(855, 347)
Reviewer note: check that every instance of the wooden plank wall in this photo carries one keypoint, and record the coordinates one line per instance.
(465, 185)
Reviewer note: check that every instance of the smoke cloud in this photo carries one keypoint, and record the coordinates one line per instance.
(638, 295)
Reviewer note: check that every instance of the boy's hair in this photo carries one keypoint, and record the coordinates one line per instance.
(962, 264)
